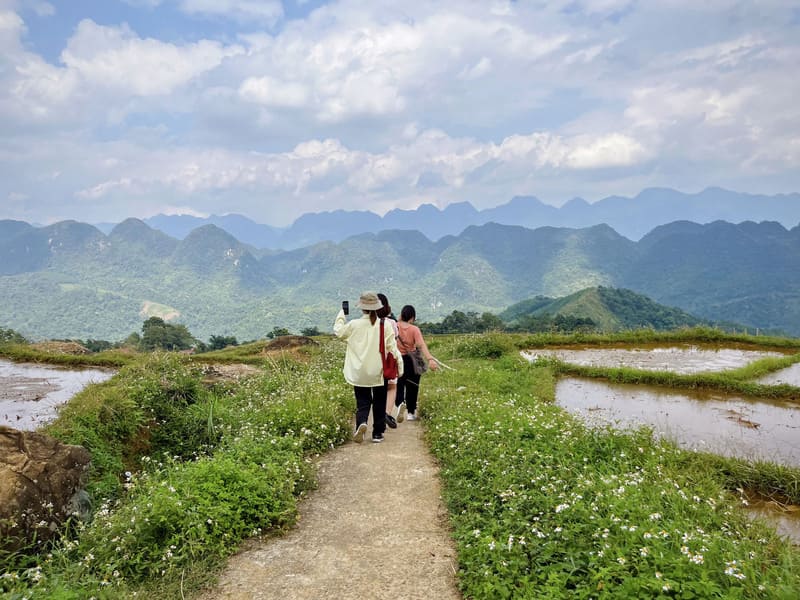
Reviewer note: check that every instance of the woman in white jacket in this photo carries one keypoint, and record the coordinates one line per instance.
(363, 364)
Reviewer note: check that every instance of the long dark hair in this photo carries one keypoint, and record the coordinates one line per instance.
(373, 315)
(407, 313)
(386, 310)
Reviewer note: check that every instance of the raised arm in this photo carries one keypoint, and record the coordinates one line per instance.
(340, 328)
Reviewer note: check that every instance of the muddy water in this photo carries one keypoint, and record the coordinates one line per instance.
(784, 517)
(790, 375)
(683, 359)
(727, 425)
(31, 394)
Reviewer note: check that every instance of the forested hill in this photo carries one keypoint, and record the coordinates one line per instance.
(71, 280)
(607, 309)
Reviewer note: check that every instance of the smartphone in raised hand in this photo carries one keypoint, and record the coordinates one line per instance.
(346, 306)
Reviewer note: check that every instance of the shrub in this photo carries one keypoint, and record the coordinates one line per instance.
(482, 346)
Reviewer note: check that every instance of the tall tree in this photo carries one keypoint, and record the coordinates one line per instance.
(158, 335)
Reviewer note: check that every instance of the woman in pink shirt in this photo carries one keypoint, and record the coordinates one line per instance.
(409, 338)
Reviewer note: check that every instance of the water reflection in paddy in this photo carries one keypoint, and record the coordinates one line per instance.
(682, 359)
(730, 426)
(789, 375)
(31, 394)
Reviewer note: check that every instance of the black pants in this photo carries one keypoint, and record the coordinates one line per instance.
(408, 386)
(375, 398)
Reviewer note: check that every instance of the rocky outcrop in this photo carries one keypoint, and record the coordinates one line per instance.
(41, 484)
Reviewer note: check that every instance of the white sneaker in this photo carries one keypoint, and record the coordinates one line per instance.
(360, 431)
(401, 413)
(411, 417)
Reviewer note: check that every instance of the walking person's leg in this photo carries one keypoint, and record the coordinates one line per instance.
(391, 394)
(363, 404)
(402, 386)
(412, 394)
(378, 412)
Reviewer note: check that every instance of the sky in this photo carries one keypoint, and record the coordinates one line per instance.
(129, 108)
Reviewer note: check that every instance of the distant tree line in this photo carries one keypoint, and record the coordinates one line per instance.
(157, 334)
(472, 322)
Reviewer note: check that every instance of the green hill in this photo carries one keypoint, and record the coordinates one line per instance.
(610, 309)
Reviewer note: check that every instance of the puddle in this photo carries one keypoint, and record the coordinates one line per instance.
(767, 430)
(789, 375)
(683, 359)
(31, 394)
(784, 517)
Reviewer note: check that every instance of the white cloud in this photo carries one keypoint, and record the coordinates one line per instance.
(345, 64)
(11, 26)
(16, 197)
(44, 9)
(105, 188)
(168, 209)
(116, 58)
(613, 150)
(331, 168)
(481, 68)
(359, 102)
(144, 3)
(262, 11)
(270, 92)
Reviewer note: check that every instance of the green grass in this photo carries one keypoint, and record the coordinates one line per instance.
(544, 507)
(25, 353)
(541, 506)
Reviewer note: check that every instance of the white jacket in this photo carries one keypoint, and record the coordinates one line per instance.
(363, 366)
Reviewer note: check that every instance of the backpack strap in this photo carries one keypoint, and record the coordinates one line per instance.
(382, 343)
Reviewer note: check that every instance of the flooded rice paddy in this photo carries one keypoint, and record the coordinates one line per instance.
(30, 394)
(752, 429)
(684, 359)
(748, 428)
(789, 375)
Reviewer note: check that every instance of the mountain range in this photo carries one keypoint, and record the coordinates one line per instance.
(72, 280)
(630, 217)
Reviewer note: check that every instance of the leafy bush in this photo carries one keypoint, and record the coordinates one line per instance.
(9, 336)
(185, 511)
(482, 346)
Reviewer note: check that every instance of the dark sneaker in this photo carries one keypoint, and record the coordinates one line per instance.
(358, 435)
(401, 413)
(390, 421)
(377, 439)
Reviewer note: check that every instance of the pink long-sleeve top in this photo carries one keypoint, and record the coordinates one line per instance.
(411, 337)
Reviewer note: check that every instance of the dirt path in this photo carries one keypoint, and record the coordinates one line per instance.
(375, 528)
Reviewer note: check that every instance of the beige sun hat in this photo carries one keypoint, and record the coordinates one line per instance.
(369, 301)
